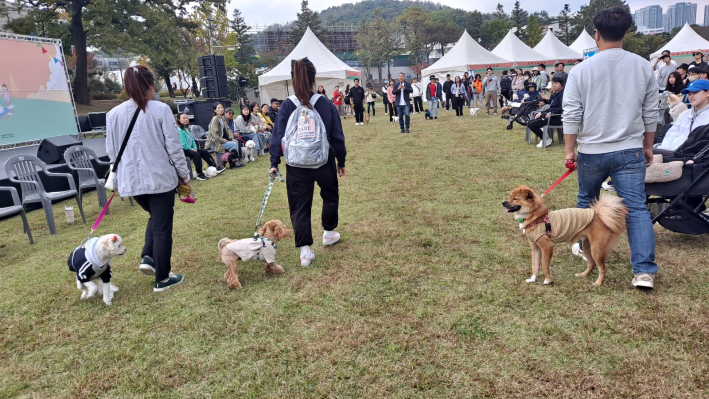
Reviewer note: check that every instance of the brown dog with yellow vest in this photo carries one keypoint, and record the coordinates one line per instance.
(599, 227)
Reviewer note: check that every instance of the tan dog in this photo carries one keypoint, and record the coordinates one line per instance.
(366, 119)
(677, 107)
(599, 227)
(263, 249)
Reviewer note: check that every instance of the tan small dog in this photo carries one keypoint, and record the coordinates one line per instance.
(231, 251)
(366, 119)
(599, 227)
(677, 107)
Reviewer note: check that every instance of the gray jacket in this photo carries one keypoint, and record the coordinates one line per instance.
(145, 167)
(491, 84)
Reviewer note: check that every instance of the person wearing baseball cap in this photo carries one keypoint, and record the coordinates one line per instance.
(697, 55)
(433, 93)
(688, 121)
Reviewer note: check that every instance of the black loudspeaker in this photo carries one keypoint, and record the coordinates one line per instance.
(215, 92)
(210, 60)
(203, 112)
(213, 71)
(51, 150)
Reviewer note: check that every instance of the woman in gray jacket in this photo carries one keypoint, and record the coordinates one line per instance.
(150, 169)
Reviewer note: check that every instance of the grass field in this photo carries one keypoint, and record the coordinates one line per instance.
(424, 296)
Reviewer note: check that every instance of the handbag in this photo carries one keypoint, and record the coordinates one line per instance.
(111, 178)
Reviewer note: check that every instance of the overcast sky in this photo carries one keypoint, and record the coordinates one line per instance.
(265, 12)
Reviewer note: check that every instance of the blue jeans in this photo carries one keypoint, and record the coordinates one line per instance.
(404, 110)
(433, 106)
(627, 171)
(232, 145)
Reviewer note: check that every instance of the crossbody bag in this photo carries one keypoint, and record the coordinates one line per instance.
(111, 178)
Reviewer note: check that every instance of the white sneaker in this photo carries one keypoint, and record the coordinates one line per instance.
(576, 250)
(330, 239)
(608, 186)
(539, 144)
(307, 260)
(644, 280)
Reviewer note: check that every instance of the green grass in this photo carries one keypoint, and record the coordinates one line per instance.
(424, 297)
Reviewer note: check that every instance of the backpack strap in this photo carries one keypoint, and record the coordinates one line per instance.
(313, 100)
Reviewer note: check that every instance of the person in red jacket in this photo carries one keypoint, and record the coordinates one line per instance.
(337, 100)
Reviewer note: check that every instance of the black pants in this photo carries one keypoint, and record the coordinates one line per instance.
(198, 156)
(374, 111)
(392, 112)
(458, 105)
(386, 104)
(418, 104)
(359, 112)
(158, 232)
(449, 100)
(536, 125)
(300, 183)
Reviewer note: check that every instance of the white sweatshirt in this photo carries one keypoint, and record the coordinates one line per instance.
(610, 101)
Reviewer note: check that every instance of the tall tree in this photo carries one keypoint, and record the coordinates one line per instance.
(500, 13)
(584, 18)
(493, 32)
(415, 27)
(376, 43)
(443, 29)
(306, 18)
(533, 31)
(474, 24)
(519, 19)
(243, 39)
(565, 25)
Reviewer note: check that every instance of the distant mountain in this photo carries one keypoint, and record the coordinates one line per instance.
(353, 13)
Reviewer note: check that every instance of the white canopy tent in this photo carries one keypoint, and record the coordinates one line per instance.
(554, 49)
(513, 49)
(331, 71)
(583, 42)
(684, 43)
(465, 55)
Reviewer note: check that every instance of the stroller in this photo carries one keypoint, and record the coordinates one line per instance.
(679, 205)
(521, 114)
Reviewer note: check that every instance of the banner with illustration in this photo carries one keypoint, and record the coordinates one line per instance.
(35, 101)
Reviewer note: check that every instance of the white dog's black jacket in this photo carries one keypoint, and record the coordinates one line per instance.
(86, 264)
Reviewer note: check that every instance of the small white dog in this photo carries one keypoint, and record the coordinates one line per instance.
(92, 265)
(677, 107)
(249, 151)
(210, 172)
(474, 111)
(396, 119)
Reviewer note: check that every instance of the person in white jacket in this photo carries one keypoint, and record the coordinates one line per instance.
(697, 116)
(418, 102)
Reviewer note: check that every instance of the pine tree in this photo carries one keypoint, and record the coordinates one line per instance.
(519, 19)
(239, 26)
(306, 18)
(500, 13)
(533, 31)
(565, 22)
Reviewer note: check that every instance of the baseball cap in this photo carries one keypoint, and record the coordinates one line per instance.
(230, 109)
(697, 85)
(531, 84)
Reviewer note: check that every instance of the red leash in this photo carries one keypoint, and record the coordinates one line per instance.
(102, 214)
(571, 165)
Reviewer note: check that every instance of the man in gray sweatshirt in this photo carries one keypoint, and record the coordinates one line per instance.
(614, 126)
(491, 86)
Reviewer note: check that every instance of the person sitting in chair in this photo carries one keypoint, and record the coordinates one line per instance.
(190, 148)
(553, 113)
(695, 117)
(529, 95)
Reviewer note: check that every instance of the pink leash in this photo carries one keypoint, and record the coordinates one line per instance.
(102, 214)
(571, 165)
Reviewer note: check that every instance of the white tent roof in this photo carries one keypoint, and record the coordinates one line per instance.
(464, 54)
(513, 49)
(553, 48)
(326, 63)
(583, 42)
(686, 40)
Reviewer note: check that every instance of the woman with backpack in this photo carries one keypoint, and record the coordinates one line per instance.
(300, 181)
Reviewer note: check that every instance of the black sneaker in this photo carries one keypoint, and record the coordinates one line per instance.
(407, 131)
(402, 131)
(201, 176)
(221, 169)
(435, 117)
(147, 266)
(173, 280)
